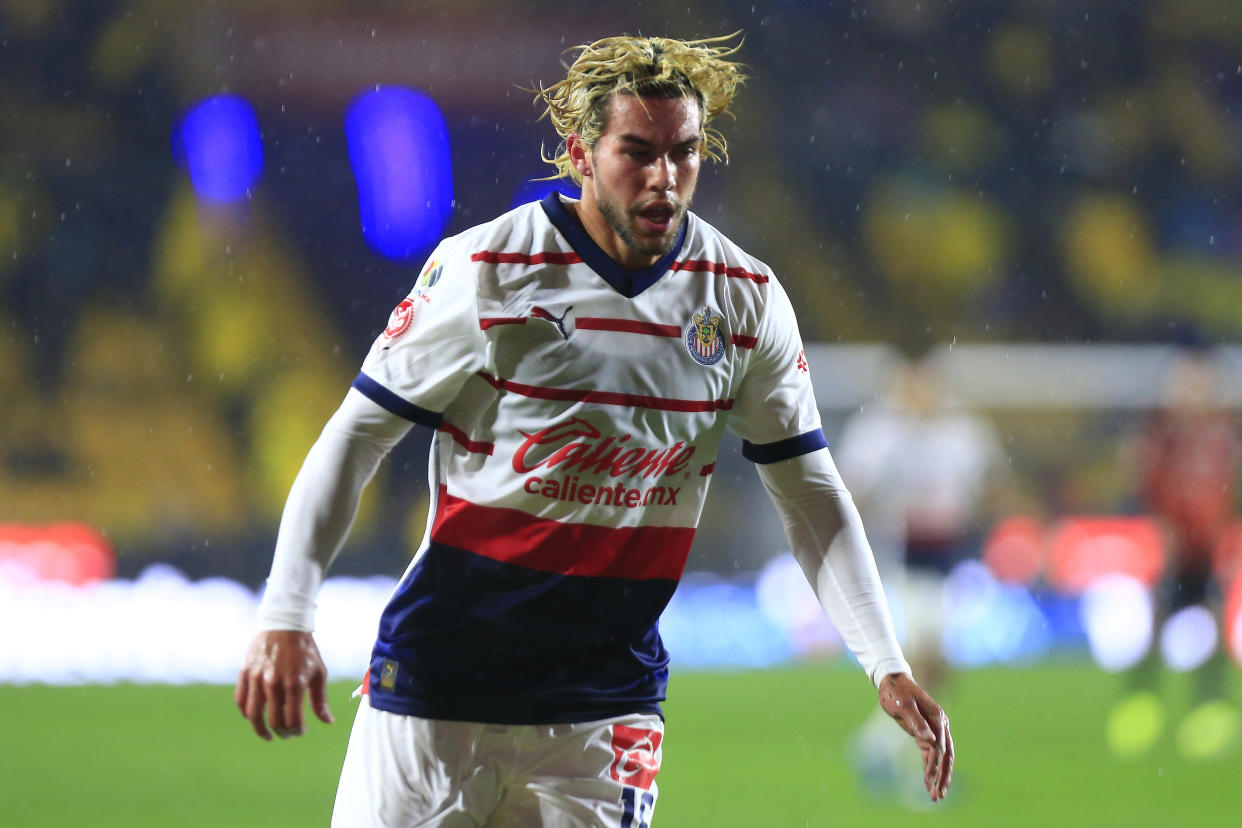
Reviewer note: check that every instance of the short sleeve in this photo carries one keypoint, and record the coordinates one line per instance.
(775, 414)
(431, 344)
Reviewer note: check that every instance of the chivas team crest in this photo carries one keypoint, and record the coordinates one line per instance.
(704, 339)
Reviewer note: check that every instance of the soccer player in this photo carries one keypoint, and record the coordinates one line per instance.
(579, 361)
(1185, 461)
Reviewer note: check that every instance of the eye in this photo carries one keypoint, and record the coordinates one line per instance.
(685, 152)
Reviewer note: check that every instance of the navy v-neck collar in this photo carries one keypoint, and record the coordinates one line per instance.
(628, 283)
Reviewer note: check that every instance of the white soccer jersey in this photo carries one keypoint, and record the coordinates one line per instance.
(580, 409)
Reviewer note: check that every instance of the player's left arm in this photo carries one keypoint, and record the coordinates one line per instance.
(919, 715)
(826, 535)
(778, 419)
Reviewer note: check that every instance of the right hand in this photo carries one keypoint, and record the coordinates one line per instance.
(282, 666)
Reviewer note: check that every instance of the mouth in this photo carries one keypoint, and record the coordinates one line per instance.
(657, 218)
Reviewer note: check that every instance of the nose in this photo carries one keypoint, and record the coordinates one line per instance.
(663, 174)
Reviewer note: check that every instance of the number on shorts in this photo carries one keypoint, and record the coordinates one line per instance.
(645, 805)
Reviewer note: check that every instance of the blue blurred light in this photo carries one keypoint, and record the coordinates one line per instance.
(218, 141)
(399, 150)
(710, 623)
(534, 189)
(988, 621)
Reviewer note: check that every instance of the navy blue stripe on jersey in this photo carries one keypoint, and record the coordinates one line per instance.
(470, 638)
(386, 399)
(623, 281)
(764, 453)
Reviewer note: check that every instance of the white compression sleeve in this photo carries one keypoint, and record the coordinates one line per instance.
(321, 507)
(828, 541)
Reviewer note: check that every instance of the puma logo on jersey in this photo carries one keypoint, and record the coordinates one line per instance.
(564, 323)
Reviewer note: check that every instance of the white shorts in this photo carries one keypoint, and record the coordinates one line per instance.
(404, 771)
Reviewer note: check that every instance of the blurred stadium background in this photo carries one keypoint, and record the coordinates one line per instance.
(208, 210)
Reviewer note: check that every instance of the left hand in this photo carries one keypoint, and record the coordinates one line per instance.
(920, 716)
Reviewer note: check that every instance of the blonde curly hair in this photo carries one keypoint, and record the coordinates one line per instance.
(643, 66)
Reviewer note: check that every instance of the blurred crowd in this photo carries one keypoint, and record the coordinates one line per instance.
(918, 173)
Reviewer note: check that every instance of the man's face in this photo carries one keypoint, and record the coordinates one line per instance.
(643, 170)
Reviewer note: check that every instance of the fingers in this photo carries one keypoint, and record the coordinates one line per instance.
(931, 760)
(294, 690)
(285, 694)
(319, 698)
(281, 701)
(240, 691)
(938, 757)
(254, 704)
(922, 732)
(946, 764)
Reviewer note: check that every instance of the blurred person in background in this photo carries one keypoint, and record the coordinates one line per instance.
(518, 670)
(1184, 459)
(930, 477)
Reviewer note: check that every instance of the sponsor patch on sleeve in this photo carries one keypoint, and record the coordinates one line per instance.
(400, 320)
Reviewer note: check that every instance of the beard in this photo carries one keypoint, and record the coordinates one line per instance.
(621, 221)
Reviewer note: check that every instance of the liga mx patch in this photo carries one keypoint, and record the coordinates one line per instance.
(634, 759)
(430, 275)
(401, 319)
(704, 339)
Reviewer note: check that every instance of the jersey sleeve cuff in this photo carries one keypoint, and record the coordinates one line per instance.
(298, 620)
(764, 453)
(279, 611)
(887, 667)
(389, 401)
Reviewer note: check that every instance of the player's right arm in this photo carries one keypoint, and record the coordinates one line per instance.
(283, 665)
(415, 368)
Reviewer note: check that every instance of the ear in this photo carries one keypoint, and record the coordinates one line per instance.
(579, 154)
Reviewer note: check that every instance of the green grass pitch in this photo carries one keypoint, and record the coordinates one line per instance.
(765, 748)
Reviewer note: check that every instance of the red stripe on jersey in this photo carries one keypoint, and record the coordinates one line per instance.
(540, 392)
(460, 438)
(484, 324)
(719, 268)
(550, 257)
(747, 342)
(603, 323)
(706, 470)
(515, 537)
(366, 683)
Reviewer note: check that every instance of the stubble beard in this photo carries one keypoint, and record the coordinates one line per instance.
(620, 222)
